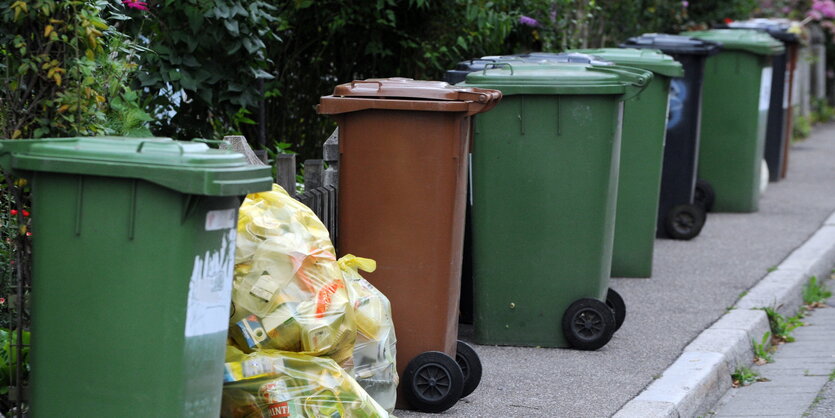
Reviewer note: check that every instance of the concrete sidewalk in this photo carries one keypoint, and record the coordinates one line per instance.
(693, 285)
(799, 371)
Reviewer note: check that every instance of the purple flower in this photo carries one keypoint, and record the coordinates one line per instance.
(135, 4)
(685, 3)
(826, 8)
(528, 21)
(814, 14)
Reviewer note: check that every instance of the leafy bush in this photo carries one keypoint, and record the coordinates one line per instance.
(66, 69)
(337, 41)
(201, 77)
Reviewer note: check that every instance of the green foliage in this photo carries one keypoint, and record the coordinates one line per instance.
(712, 12)
(338, 41)
(781, 326)
(801, 128)
(822, 111)
(15, 251)
(815, 292)
(9, 358)
(65, 68)
(565, 24)
(744, 376)
(792, 9)
(762, 350)
(15, 242)
(208, 57)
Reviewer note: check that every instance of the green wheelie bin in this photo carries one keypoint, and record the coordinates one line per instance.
(544, 179)
(735, 103)
(641, 158)
(133, 251)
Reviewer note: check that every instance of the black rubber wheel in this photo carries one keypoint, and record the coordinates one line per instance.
(588, 324)
(433, 382)
(470, 365)
(615, 301)
(704, 195)
(684, 222)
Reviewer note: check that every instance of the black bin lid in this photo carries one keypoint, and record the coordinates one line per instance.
(778, 29)
(475, 64)
(573, 57)
(673, 44)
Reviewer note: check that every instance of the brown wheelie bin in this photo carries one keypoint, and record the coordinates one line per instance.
(403, 148)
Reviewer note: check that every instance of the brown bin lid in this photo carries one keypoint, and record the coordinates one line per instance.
(407, 94)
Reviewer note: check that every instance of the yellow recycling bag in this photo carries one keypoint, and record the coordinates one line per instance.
(375, 368)
(274, 384)
(288, 292)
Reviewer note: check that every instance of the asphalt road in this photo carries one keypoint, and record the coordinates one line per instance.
(824, 404)
(694, 282)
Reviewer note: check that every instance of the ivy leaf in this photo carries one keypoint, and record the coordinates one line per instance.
(187, 81)
(39, 132)
(232, 27)
(195, 20)
(205, 94)
(239, 10)
(235, 87)
(221, 11)
(174, 75)
(233, 47)
(261, 74)
(191, 61)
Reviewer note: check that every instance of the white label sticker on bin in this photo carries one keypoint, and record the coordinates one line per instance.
(210, 289)
(765, 89)
(221, 219)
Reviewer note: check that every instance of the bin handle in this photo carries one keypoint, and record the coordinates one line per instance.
(211, 143)
(638, 79)
(472, 61)
(207, 141)
(355, 82)
(142, 145)
(496, 65)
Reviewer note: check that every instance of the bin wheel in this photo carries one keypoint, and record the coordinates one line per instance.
(434, 382)
(615, 301)
(588, 324)
(704, 195)
(470, 364)
(685, 221)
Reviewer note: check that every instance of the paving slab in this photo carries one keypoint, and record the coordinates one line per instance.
(694, 283)
(796, 377)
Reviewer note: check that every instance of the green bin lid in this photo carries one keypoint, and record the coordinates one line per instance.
(748, 40)
(186, 167)
(558, 78)
(646, 59)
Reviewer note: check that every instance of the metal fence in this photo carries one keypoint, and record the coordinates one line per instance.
(318, 191)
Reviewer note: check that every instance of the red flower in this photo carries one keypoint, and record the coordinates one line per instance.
(2, 301)
(135, 4)
(25, 212)
(28, 234)
(13, 212)
(728, 20)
